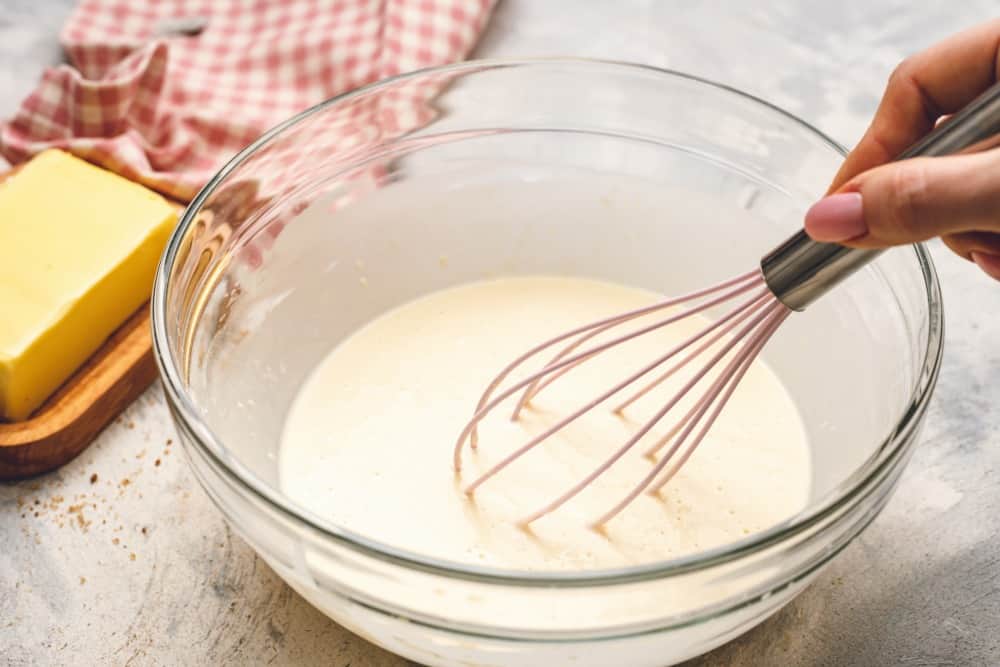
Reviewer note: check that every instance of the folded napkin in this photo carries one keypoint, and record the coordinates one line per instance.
(165, 91)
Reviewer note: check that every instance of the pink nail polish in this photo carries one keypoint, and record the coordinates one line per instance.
(989, 263)
(836, 218)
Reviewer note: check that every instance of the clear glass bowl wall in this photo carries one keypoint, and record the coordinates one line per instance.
(600, 170)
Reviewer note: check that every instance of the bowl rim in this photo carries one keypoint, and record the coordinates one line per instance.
(893, 446)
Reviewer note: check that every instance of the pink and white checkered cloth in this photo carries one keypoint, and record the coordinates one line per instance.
(163, 92)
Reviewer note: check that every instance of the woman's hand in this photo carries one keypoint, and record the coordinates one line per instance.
(872, 204)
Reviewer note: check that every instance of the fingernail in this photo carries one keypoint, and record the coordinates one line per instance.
(836, 218)
(990, 264)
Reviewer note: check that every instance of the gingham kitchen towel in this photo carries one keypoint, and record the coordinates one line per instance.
(165, 91)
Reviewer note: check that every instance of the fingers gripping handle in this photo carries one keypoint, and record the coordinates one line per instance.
(801, 270)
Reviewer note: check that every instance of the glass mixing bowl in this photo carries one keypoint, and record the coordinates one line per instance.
(597, 169)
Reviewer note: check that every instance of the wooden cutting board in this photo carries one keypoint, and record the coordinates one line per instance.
(121, 369)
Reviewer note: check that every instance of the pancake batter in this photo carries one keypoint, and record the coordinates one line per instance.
(368, 441)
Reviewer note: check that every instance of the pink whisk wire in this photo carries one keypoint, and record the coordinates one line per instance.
(765, 314)
(486, 405)
(586, 408)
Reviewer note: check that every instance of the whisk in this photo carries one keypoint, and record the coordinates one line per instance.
(790, 278)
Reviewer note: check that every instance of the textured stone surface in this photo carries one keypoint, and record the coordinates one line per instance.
(137, 567)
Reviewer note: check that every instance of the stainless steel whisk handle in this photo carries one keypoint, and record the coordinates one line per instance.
(801, 270)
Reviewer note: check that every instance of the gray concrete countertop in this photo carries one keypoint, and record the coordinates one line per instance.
(119, 558)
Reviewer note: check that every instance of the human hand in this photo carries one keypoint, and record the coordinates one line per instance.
(875, 203)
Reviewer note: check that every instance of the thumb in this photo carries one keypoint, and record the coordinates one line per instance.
(910, 201)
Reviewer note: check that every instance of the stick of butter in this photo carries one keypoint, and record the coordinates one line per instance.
(78, 250)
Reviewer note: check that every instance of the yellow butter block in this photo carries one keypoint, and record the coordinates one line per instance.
(78, 250)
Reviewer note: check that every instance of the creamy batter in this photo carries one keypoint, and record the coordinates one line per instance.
(368, 441)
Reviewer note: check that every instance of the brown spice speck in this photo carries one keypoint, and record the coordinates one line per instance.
(131, 556)
(125, 482)
(93, 478)
(156, 462)
(144, 531)
(115, 541)
(83, 580)
(169, 442)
